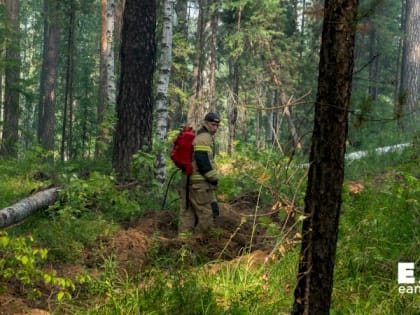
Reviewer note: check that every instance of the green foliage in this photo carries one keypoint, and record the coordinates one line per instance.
(87, 209)
(21, 261)
(96, 196)
(278, 177)
(379, 228)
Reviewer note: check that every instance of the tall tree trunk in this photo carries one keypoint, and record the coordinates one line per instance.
(110, 61)
(410, 82)
(162, 87)
(118, 21)
(106, 74)
(234, 101)
(135, 101)
(50, 65)
(374, 61)
(103, 84)
(68, 93)
(233, 105)
(203, 98)
(326, 171)
(10, 135)
(42, 83)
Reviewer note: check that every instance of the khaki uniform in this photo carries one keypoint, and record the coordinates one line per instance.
(196, 215)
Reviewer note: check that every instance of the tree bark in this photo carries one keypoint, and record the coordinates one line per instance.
(326, 172)
(103, 84)
(9, 145)
(135, 100)
(162, 87)
(410, 75)
(68, 94)
(50, 68)
(26, 207)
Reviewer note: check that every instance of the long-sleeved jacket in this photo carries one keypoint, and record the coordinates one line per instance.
(204, 168)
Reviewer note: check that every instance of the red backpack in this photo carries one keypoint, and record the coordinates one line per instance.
(182, 150)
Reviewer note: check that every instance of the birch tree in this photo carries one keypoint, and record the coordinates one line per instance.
(106, 72)
(162, 87)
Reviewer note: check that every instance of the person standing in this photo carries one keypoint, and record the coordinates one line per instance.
(199, 206)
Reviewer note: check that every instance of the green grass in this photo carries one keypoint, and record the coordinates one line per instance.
(379, 227)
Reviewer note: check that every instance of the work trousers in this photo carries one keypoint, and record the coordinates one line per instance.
(196, 215)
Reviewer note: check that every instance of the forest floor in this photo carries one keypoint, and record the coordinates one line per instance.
(138, 243)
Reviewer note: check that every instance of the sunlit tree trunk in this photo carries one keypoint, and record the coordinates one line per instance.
(326, 171)
(204, 84)
(410, 82)
(110, 62)
(106, 74)
(103, 84)
(50, 64)
(162, 87)
(9, 143)
(119, 10)
(135, 101)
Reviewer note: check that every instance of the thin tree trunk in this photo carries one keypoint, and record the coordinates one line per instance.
(51, 70)
(110, 55)
(68, 94)
(233, 106)
(11, 96)
(103, 84)
(162, 87)
(42, 80)
(234, 102)
(374, 61)
(326, 172)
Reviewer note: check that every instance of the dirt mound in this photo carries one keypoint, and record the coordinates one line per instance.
(236, 232)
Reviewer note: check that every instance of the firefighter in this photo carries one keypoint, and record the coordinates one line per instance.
(199, 207)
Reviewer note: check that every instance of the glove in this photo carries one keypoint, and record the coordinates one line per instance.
(213, 182)
(215, 209)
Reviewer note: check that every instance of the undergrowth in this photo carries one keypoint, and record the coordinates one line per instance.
(379, 227)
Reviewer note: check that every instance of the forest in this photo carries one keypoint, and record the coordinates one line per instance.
(318, 153)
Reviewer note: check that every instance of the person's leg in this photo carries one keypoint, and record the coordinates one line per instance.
(201, 198)
(187, 216)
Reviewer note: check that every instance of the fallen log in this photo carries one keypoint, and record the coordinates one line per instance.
(26, 207)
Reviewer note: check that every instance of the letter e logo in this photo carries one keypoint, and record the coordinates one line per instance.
(406, 273)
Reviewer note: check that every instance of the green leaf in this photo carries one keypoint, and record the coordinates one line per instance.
(60, 295)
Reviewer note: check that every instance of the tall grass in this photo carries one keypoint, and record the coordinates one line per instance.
(379, 227)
